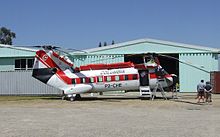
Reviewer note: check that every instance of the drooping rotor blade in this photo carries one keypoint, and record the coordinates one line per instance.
(105, 59)
(183, 62)
(47, 47)
(63, 51)
(25, 48)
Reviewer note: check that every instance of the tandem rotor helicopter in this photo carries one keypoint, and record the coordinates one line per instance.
(57, 70)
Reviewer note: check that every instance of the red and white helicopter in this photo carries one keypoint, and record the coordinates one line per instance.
(58, 71)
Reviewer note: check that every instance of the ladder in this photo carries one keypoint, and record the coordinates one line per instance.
(145, 91)
(158, 86)
(175, 91)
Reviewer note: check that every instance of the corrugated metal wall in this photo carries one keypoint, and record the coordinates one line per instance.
(189, 76)
(22, 83)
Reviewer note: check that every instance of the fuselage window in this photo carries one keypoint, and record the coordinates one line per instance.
(73, 81)
(126, 77)
(108, 78)
(82, 80)
(100, 79)
(117, 78)
(91, 80)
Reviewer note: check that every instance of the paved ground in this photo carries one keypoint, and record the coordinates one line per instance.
(109, 116)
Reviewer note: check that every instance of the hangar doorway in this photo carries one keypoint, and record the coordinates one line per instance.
(170, 65)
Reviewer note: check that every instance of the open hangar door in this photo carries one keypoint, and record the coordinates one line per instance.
(170, 65)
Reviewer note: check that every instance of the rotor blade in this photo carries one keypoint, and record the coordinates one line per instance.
(45, 47)
(77, 50)
(49, 47)
(105, 59)
(183, 62)
(36, 46)
(61, 50)
(18, 47)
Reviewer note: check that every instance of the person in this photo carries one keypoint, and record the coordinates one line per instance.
(208, 92)
(201, 91)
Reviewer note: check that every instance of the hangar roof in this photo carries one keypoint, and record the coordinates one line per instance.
(11, 51)
(151, 45)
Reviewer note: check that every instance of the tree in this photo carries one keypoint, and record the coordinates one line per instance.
(113, 42)
(6, 36)
(105, 43)
(100, 44)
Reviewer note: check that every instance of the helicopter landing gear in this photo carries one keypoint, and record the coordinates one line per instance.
(73, 97)
(78, 97)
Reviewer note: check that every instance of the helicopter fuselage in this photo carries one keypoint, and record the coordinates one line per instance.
(58, 71)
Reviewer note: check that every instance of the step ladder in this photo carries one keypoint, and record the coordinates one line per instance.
(158, 86)
(145, 91)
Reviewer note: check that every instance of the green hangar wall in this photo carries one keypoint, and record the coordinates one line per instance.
(189, 76)
(201, 57)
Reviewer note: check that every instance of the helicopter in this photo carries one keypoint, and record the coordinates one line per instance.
(56, 70)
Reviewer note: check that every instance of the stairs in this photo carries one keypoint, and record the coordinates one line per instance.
(145, 91)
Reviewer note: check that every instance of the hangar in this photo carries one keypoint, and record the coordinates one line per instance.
(202, 57)
(21, 61)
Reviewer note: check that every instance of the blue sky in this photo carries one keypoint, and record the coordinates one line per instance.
(82, 24)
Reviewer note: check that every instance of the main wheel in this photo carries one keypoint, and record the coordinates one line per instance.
(72, 99)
